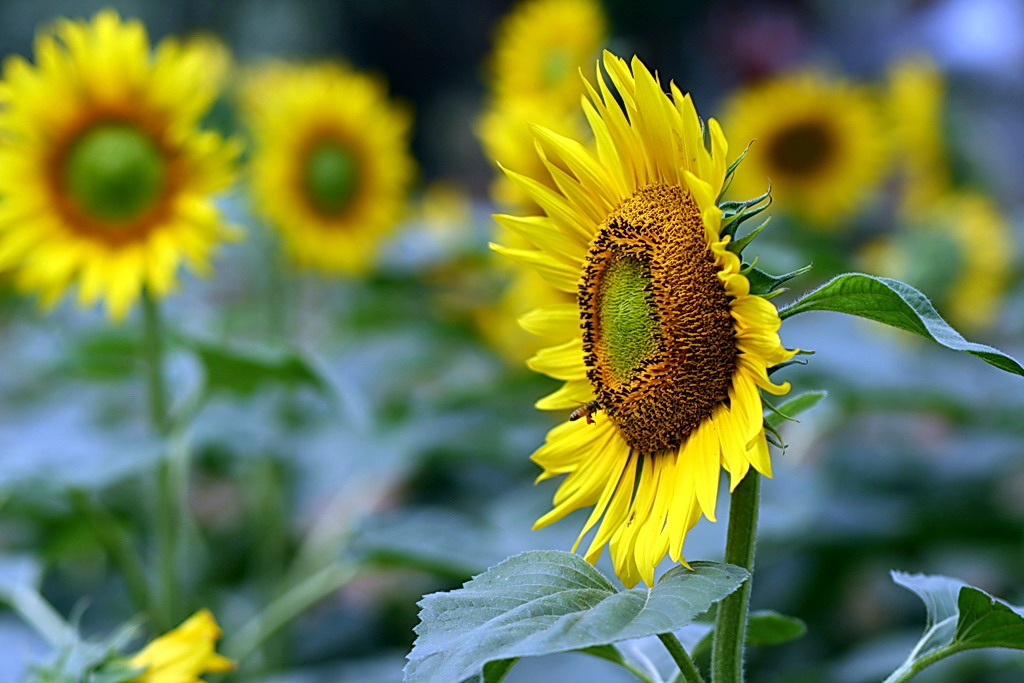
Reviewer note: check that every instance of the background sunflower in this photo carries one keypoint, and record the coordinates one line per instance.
(106, 179)
(331, 167)
(818, 140)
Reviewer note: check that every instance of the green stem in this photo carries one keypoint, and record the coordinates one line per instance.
(42, 617)
(117, 546)
(689, 671)
(731, 623)
(912, 667)
(153, 350)
(286, 608)
(168, 501)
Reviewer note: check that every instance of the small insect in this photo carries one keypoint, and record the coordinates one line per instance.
(587, 410)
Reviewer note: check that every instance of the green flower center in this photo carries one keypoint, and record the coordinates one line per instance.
(802, 149)
(115, 173)
(658, 338)
(332, 177)
(627, 316)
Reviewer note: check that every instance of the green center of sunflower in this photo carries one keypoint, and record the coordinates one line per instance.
(627, 317)
(332, 177)
(115, 173)
(801, 149)
(658, 338)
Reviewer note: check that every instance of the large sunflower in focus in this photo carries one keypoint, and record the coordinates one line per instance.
(818, 140)
(539, 49)
(665, 346)
(331, 166)
(105, 179)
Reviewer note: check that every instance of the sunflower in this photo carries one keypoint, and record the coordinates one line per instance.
(956, 250)
(540, 48)
(665, 348)
(505, 133)
(182, 655)
(819, 142)
(916, 96)
(105, 178)
(331, 165)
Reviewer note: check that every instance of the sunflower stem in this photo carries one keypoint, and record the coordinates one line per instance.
(166, 494)
(153, 351)
(731, 623)
(287, 607)
(687, 669)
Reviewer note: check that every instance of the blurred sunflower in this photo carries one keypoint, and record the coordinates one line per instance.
(818, 141)
(182, 655)
(540, 48)
(331, 166)
(505, 134)
(916, 97)
(106, 179)
(957, 251)
(665, 340)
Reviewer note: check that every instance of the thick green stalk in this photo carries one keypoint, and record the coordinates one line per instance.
(286, 608)
(153, 351)
(167, 500)
(687, 669)
(731, 623)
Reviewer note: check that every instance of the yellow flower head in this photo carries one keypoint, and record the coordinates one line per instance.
(182, 655)
(819, 141)
(106, 180)
(331, 166)
(665, 348)
(916, 99)
(539, 50)
(215, 57)
(958, 249)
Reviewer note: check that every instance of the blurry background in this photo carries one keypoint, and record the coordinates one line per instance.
(412, 453)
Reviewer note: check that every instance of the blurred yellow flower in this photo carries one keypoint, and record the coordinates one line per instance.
(106, 180)
(958, 251)
(916, 98)
(331, 165)
(819, 141)
(214, 56)
(539, 50)
(182, 655)
(665, 343)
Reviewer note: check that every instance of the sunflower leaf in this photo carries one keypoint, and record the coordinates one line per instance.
(959, 617)
(764, 627)
(897, 304)
(244, 371)
(793, 407)
(543, 602)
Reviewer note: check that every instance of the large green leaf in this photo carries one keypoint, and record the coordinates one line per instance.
(897, 304)
(959, 617)
(545, 601)
(243, 371)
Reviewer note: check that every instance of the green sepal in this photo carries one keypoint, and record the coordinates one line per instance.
(737, 246)
(729, 172)
(785, 364)
(767, 285)
(734, 213)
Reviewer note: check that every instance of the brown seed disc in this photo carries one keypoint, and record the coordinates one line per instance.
(658, 336)
(802, 149)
